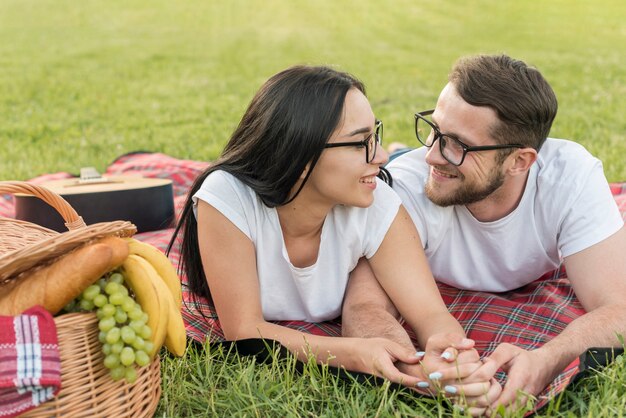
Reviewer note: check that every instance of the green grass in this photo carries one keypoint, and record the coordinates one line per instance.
(214, 382)
(82, 82)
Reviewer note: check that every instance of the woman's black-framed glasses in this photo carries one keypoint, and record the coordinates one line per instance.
(451, 148)
(369, 145)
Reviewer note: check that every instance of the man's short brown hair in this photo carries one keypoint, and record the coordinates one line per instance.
(523, 100)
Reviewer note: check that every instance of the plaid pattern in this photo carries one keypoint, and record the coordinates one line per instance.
(526, 317)
(30, 366)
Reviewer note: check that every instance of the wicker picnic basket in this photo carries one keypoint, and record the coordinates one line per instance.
(87, 388)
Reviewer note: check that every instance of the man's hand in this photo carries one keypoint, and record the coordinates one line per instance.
(528, 373)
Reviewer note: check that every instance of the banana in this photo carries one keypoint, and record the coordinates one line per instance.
(175, 338)
(161, 264)
(143, 280)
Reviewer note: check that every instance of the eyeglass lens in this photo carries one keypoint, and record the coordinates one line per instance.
(375, 141)
(451, 149)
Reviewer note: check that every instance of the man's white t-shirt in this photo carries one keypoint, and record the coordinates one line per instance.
(314, 293)
(567, 207)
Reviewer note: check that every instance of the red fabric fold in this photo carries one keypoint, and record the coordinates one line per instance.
(30, 366)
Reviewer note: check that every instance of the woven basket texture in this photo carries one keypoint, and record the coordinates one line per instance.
(87, 388)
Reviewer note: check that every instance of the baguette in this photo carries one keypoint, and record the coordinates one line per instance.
(55, 285)
(120, 250)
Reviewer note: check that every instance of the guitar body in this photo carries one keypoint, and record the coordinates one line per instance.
(147, 203)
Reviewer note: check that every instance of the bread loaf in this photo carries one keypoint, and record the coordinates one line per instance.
(55, 285)
(120, 250)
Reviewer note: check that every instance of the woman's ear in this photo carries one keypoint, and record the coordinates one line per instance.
(523, 160)
(305, 171)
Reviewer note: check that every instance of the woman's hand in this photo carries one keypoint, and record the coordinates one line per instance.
(381, 357)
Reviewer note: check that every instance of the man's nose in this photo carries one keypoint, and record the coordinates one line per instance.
(434, 156)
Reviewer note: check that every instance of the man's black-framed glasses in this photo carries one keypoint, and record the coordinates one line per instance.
(369, 145)
(451, 148)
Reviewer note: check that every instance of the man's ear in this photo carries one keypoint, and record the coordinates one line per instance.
(523, 160)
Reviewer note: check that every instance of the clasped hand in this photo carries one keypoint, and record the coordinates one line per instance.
(450, 365)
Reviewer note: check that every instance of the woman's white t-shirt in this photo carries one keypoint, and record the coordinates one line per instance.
(314, 293)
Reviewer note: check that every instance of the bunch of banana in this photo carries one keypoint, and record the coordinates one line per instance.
(157, 288)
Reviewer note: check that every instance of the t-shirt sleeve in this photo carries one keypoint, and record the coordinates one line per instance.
(380, 216)
(229, 196)
(593, 217)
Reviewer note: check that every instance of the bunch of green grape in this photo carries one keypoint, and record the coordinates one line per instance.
(124, 333)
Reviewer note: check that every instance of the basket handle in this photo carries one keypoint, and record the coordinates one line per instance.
(67, 212)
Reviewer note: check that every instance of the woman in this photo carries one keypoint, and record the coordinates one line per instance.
(272, 230)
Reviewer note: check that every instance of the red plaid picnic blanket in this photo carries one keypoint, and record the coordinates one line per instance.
(526, 317)
(30, 366)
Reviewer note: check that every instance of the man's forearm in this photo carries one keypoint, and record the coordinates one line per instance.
(598, 328)
(367, 321)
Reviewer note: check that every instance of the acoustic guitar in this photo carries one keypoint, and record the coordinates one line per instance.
(146, 202)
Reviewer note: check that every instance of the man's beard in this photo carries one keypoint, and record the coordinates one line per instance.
(467, 193)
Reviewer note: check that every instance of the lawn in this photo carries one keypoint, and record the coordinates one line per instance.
(82, 82)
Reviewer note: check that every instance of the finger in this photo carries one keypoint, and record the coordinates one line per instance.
(470, 390)
(485, 399)
(503, 354)
(512, 393)
(439, 342)
(403, 354)
(390, 372)
(485, 372)
(468, 356)
(450, 354)
(476, 412)
(464, 344)
(458, 371)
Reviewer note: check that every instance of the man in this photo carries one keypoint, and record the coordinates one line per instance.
(497, 205)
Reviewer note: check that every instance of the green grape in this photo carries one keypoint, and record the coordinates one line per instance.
(116, 298)
(108, 310)
(112, 360)
(148, 346)
(118, 372)
(113, 335)
(106, 324)
(117, 347)
(86, 305)
(116, 278)
(136, 326)
(138, 344)
(123, 290)
(111, 288)
(142, 358)
(127, 356)
(100, 300)
(128, 304)
(128, 335)
(136, 313)
(120, 316)
(91, 292)
(130, 374)
(124, 333)
(145, 332)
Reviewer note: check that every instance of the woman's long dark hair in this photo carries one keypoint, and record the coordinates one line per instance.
(285, 127)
